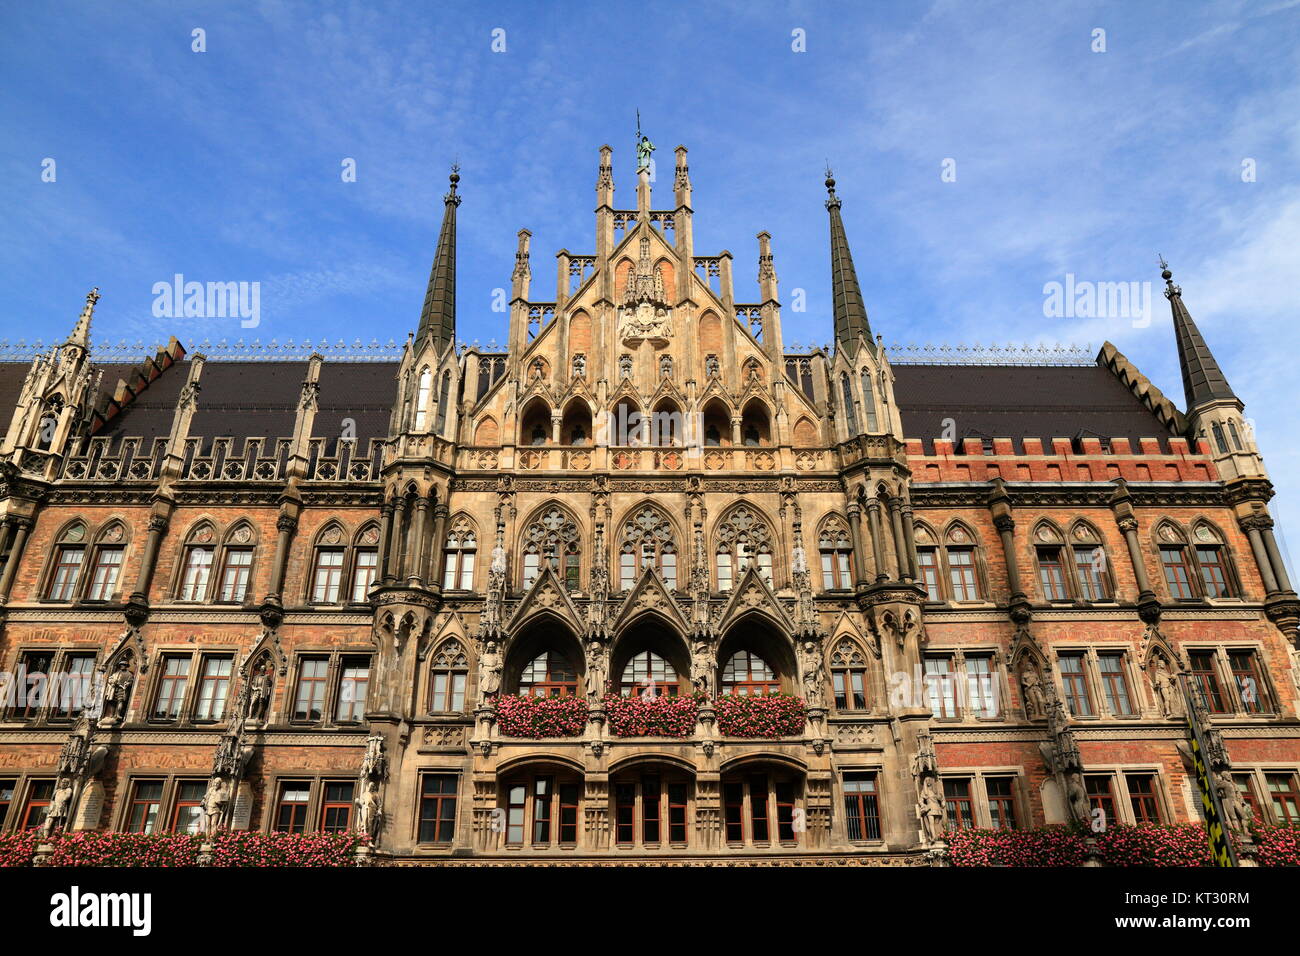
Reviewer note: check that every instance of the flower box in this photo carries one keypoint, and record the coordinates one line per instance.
(658, 716)
(769, 716)
(539, 717)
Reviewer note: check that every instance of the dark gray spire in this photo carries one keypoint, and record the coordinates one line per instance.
(850, 312)
(1203, 380)
(438, 319)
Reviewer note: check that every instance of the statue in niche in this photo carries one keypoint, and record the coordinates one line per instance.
(1237, 815)
(490, 665)
(701, 668)
(1167, 694)
(1034, 698)
(117, 691)
(930, 811)
(214, 804)
(814, 676)
(60, 806)
(259, 692)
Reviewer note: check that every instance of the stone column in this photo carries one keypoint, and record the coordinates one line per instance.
(877, 539)
(285, 525)
(909, 537)
(859, 551)
(900, 542)
(1275, 557)
(1262, 560)
(385, 540)
(24, 526)
(433, 559)
(415, 543)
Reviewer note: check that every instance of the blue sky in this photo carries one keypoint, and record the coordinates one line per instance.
(225, 165)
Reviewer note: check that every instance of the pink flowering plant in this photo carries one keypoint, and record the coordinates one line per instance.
(16, 849)
(1277, 846)
(536, 717)
(171, 850)
(768, 716)
(658, 716)
(254, 848)
(124, 849)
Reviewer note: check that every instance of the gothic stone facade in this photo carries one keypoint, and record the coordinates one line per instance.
(299, 589)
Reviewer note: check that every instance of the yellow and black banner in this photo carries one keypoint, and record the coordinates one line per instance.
(1221, 849)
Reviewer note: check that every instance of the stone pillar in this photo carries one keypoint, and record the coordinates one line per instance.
(285, 525)
(395, 565)
(1275, 557)
(877, 539)
(900, 542)
(415, 543)
(859, 551)
(433, 561)
(24, 526)
(1262, 560)
(385, 540)
(909, 537)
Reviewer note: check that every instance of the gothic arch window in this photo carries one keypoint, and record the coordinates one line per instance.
(364, 564)
(666, 424)
(1092, 572)
(743, 538)
(960, 547)
(459, 555)
(1236, 436)
(1176, 561)
(717, 423)
(575, 429)
(423, 392)
(1220, 440)
(236, 565)
(328, 559)
(929, 571)
(646, 540)
(805, 434)
(448, 678)
(444, 397)
(849, 675)
(549, 674)
(745, 674)
(648, 674)
(552, 538)
(1053, 564)
(850, 416)
(69, 558)
(106, 562)
(869, 400)
(1213, 562)
(198, 563)
(835, 548)
(630, 427)
(535, 423)
(755, 424)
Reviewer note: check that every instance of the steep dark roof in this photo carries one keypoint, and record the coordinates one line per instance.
(850, 310)
(362, 391)
(438, 318)
(246, 399)
(12, 375)
(149, 414)
(1203, 380)
(1015, 401)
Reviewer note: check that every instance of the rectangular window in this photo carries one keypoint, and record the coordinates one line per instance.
(927, 563)
(677, 801)
(1002, 802)
(516, 801)
(448, 691)
(1178, 576)
(214, 687)
(861, 807)
(1114, 684)
(291, 811)
(850, 685)
(1051, 572)
(1247, 790)
(187, 814)
(336, 807)
(941, 686)
(1285, 797)
(67, 572)
(626, 570)
(171, 687)
(7, 787)
(1101, 796)
(353, 685)
(75, 689)
(961, 573)
(1206, 680)
(758, 817)
(39, 793)
(198, 567)
(624, 813)
(309, 702)
(733, 803)
(1248, 682)
(543, 790)
(1142, 797)
(650, 794)
(961, 808)
(146, 800)
(785, 804)
(532, 567)
(234, 575)
(103, 580)
(571, 572)
(33, 684)
(1090, 565)
(1076, 685)
(1214, 574)
(327, 577)
(363, 573)
(981, 691)
(724, 571)
(568, 814)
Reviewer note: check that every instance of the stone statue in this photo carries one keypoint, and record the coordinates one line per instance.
(1077, 796)
(1034, 698)
(814, 675)
(930, 811)
(925, 762)
(369, 810)
(702, 668)
(215, 800)
(1237, 815)
(60, 805)
(260, 687)
(1167, 694)
(117, 691)
(596, 671)
(490, 667)
(643, 150)
(374, 763)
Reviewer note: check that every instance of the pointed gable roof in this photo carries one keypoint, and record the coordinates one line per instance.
(850, 310)
(438, 318)
(1203, 380)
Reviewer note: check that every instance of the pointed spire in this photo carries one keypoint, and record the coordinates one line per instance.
(1203, 380)
(438, 319)
(81, 331)
(850, 312)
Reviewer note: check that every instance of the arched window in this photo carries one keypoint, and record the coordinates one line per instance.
(849, 676)
(236, 565)
(1236, 437)
(1219, 438)
(106, 565)
(869, 400)
(647, 542)
(449, 674)
(365, 563)
(850, 416)
(755, 425)
(743, 539)
(549, 674)
(1175, 562)
(444, 394)
(748, 675)
(1052, 563)
(836, 551)
(68, 561)
(327, 567)
(423, 391)
(963, 576)
(666, 424)
(1212, 562)
(553, 539)
(458, 556)
(1092, 570)
(927, 564)
(647, 674)
(199, 557)
(535, 424)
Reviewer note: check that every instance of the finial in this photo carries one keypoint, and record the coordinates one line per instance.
(1171, 290)
(92, 297)
(834, 200)
(454, 178)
